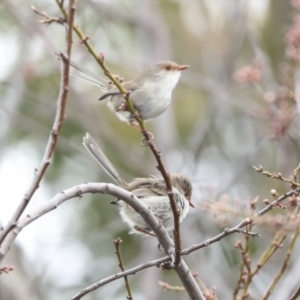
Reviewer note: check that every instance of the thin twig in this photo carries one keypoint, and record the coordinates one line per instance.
(276, 176)
(158, 262)
(117, 243)
(240, 282)
(276, 202)
(296, 171)
(209, 293)
(58, 121)
(168, 287)
(149, 141)
(274, 245)
(284, 265)
(116, 276)
(242, 224)
(47, 19)
(286, 261)
(227, 231)
(6, 269)
(296, 294)
(245, 263)
(267, 255)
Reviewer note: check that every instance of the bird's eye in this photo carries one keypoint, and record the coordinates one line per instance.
(168, 68)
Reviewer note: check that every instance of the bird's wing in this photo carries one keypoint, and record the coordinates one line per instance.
(156, 190)
(129, 86)
(112, 92)
(145, 187)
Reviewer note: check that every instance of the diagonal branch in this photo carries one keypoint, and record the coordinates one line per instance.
(147, 135)
(296, 294)
(283, 267)
(57, 124)
(117, 243)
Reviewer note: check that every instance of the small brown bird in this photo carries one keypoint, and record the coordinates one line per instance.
(150, 93)
(152, 191)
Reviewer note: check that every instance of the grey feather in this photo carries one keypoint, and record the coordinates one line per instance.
(93, 148)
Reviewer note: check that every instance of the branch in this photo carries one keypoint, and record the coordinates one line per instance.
(162, 262)
(296, 294)
(107, 188)
(147, 135)
(242, 224)
(116, 276)
(278, 176)
(227, 231)
(6, 269)
(59, 118)
(47, 19)
(283, 267)
(168, 287)
(272, 248)
(151, 220)
(117, 243)
(102, 188)
(277, 201)
(286, 260)
(275, 244)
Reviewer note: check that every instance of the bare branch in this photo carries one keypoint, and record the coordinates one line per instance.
(107, 188)
(158, 262)
(284, 265)
(151, 220)
(117, 244)
(114, 277)
(296, 294)
(271, 249)
(6, 269)
(47, 20)
(59, 118)
(278, 176)
(277, 201)
(164, 239)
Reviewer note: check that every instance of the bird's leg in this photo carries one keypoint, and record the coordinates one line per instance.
(137, 228)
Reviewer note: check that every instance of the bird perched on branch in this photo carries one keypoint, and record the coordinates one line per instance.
(152, 191)
(150, 93)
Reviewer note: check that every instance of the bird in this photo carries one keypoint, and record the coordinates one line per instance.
(150, 92)
(152, 191)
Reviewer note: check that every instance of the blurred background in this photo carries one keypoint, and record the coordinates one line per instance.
(234, 108)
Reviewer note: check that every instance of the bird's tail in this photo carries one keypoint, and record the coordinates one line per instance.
(93, 148)
(88, 76)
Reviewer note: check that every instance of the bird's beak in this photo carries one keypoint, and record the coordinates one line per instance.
(191, 204)
(183, 67)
